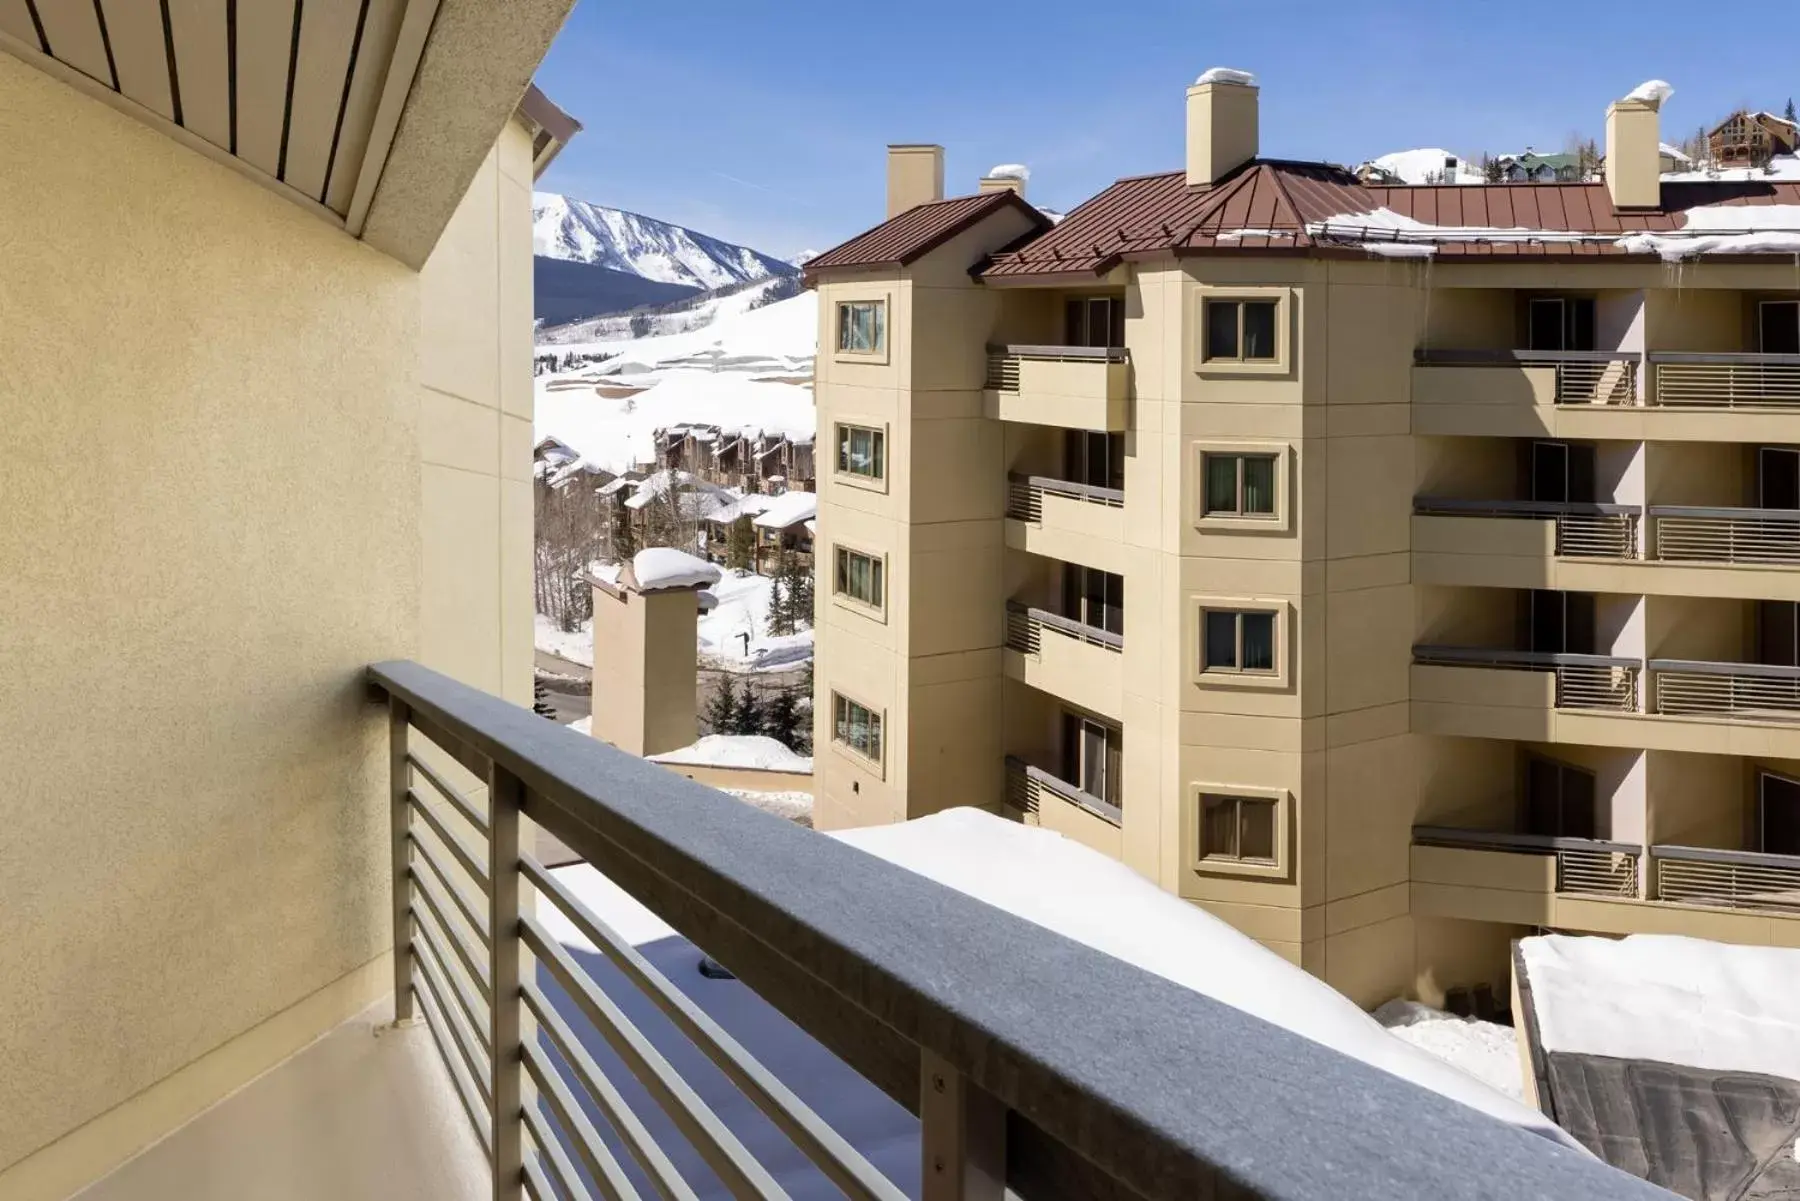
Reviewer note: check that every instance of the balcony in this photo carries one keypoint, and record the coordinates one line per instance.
(1730, 879)
(1043, 798)
(1071, 387)
(1749, 537)
(1547, 528)
(1518, 393)
(1582, 866)
(1079, 663)
(1744, 691)
(1725, 381)
(1565, 681)
(1061, 519)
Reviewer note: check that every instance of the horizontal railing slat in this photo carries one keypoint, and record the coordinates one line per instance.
(1103, 809)
(604, 1168)
(424, 854)
(449, 792)
(463, 853)
(453, 1063)
(1766, 671)
(1107, 354)
(457, 1026)
(1071, 488)
(1428, 653)
(1452, 836)
(473, 1007)
(1437, 505)
(1713, 855)
(1457, 358)
(472, 963)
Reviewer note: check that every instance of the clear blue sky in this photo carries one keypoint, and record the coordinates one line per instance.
(765, 121)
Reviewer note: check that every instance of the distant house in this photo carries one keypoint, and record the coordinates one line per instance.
(1671, 158)
(750, 459)
(1532, 167)
(1374, 175)
(1747, 139)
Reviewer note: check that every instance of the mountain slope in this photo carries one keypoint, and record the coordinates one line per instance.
(565, 228)
(564, 291)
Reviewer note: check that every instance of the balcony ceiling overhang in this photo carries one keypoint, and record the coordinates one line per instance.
(373, 115)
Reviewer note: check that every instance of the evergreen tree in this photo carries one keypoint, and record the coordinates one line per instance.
(750, 712)
(1789, 111)
(722, 708)
(800, 595)
(781, 717)
(540, 700)
(740, 544)
(780, 620)
(624, 535)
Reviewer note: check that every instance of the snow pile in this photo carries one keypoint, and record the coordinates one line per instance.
(1429, 165)
(1781, 167)
(1487, 1051)
(738, 750)
(1226, 75)
(1725, 229)
(1674, 152)
(1707, 229)
(575, 646)
(1662, 997)
(1018, 171)
(794, 806)
(658, 568)
(1654, 92)
(735, 632)
(790, 508)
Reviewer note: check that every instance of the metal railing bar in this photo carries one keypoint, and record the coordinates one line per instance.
(1062, 487)
(724, 1154)
(1728, 358)
(1110, 354)
(842, 1163)
(562, 1168)
(466, 857)
(1451, 358)
(454, 1023)
(1765, 671)
(1477, 655)
(1738, 858)
(476, 919)
(450, 792)
(1783, 515)
(613, 1106)
(1451, 836)
(1079, 797)
(1069, 626)
(465, 1091)
(538, 1186)
(1433, 505)
(471, 962)
(603, 1167)
(474, 1009)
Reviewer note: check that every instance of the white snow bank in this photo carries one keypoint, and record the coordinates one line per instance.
(1017, 171)
(1429, 164)
(790, 508)
(1725, 229)
(794, 806)
(1674, 152)
(583, 725)
(618, 433)
(662, 567)
(576, 646)
(1226, 75)
(1707, 229)
(736, 630)
(1487, 1051)
(1081, 894)
(1662, 997)
(738, 750)
(1652, 91)
(1781, 167)
(1385, 225)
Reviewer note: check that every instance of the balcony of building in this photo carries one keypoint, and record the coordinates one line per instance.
(1065, 632)
(1066, 495)
(1064, 768)
(1063, 363)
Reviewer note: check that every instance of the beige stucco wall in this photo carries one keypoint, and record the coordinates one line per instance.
(233, 478)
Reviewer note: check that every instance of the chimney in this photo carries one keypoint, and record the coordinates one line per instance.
(915, 176)
(1633, 147)
(1007, 177)
(1221, 124)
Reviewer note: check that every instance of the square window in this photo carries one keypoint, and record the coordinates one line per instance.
(1239, 485)
(862, 452)
(856, 726)
(1238, 828)
(858, 577)
(1243, 330)
(1238, 641)
(862, 326)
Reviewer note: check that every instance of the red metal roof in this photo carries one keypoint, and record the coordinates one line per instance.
(905, 237)
(1267, 204)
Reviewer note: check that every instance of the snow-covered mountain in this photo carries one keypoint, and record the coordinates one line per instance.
(579, 232)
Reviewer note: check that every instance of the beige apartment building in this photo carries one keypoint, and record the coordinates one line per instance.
(1389, 570)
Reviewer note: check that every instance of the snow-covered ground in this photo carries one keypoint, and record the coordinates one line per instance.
(576, 646)
(794, 806)
(738, 750)
(1430, 165)
(735, 634)
(1487, 1051)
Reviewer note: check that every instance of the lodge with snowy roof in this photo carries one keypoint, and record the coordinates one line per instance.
(1391, 570)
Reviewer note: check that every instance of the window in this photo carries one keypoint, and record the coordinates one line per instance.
(1778, 326)
(1239, 828)
(1777, 814)
(858, 577)
(1241, 330)
(1093, 597)
(1091, 756)
(1094, 321)
(1559, 799)
(856, 727)
(1239, 485)
(862, 327)
(1560, 323)
(1090, 457)
(1238, 640)
(861, 452)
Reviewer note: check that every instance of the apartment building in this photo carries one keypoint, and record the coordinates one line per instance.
(1390, 570)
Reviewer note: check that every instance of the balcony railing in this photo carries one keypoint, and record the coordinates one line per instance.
(1751, 536)
(911, 984)
(1583, 531)
(1728, 381)
(1003, 361)
(1025, 495)
(1753, 690)
(1026, 786)
(1025, 628)
(1582, 681)
(1733, 879)
(1582, 376)
(1584, 866)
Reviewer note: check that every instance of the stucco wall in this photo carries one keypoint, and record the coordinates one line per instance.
(213, 434)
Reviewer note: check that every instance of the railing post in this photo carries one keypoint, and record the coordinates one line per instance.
(962, 1135)
(505, 798)
(398, 781)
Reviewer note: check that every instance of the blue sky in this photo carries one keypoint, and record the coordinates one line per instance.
(765, 121)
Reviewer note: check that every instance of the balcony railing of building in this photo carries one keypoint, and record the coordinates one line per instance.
(1003, 361)
(1769, 537)
(1025, 495)
(1732, 879)
(1026, 786)
(1582, 681)
(1587, 531)
(1584, 866)
(1728, 381)
(911, 984)
(1753, 690)
(1025, 627)
(1607, 377)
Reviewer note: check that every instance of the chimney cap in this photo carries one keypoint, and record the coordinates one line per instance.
(1018, 171)
(1653, 92)
(1231, 75)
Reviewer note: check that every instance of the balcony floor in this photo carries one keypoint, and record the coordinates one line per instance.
(354, 1116)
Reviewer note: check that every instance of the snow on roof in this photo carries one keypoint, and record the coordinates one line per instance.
(1706, 229)
(661, 567)
(1226, 75)
(730, 506)
(790, 508)
(738, 750)
(1662, 997)
(1652, 91)
(1674, 152)
(1017, 171)
(1429, 164)
(1725, 229)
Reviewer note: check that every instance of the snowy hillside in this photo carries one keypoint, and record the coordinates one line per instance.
(1430, 165)
(676, 317)
(565, 228)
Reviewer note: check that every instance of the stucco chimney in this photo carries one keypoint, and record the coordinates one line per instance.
(1633, 146)
(915, 176)
(1221, 124)
(1007, 177)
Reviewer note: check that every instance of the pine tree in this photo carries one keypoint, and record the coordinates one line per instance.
(781, 717)
(1789, 111)
(740, 544)
(722, 708)
(780, 620)
(800, 596)
(624, 536)
(750, 713)
(540, 700)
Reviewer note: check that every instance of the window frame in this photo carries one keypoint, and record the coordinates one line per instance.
(877, 723)
(1280, 612)
(1221, 522)
(840, 553)
(1199, 860)
(840, 429)
(1236, 667)
(1206, 295)
(882, 302)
